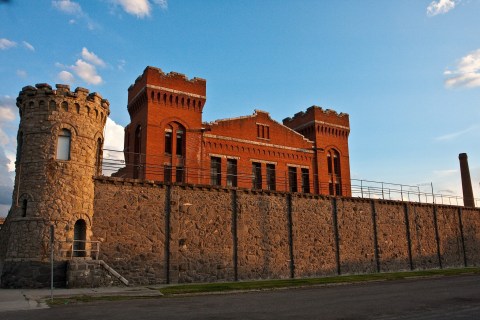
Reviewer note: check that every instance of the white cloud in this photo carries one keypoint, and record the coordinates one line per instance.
(28, 46)
(454, 135)
(67, 6)
(162, 3)
(467, 72)
(7, 44)
(92, 58)
(140, 8)
(440, 7)
(113, 147)
(87, 72)
(73, 8)
(121, 64)
(6, 114)
(22, 73)
(66, 77)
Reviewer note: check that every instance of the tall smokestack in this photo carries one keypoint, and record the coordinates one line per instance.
(468, 200)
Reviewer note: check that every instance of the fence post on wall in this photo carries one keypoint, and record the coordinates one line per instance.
(409, 240)
(437, 236)
(290, 235)
(460, 222)
(337, 238)
(375, 239)
(234, 233)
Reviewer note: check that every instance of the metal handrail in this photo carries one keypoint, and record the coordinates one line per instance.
(93, 251)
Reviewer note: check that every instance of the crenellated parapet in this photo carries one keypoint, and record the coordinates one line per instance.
(318, 114)
(168, 89)
(43, 99)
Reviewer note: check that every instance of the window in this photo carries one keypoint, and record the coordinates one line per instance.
(338, 188)
(24, 207)
(334, 172)
(179, 174)
(167, 173)
(256, 175)
(305, 180)
(329, 163)
(292, 179)
(168, 141)
(271, 183)
(336, 163)
(63, 145)
(215, 171)
(263, 131)
(231, 172)
(179, 143)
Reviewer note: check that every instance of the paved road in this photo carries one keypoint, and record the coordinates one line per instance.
(439, 298)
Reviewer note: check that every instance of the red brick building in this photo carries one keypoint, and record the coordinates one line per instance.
(166, 140)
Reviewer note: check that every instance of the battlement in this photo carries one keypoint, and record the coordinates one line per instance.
(318, 114)
(174, 82)
(44, 93)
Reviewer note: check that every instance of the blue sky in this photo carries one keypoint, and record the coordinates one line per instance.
(407, 71)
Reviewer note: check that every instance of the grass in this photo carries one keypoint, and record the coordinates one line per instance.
(219, 287)
(292, 283)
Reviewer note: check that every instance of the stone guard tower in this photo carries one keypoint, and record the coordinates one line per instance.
(60, 141)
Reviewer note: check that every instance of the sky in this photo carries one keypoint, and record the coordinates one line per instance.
(406, 71)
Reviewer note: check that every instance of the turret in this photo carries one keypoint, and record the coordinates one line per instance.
(60, 139)
(165, 110)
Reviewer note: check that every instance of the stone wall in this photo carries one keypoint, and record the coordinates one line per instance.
(314, 236)
(471, 235)
(156, 233)
(392, 238)
(356, 236)
(129, 220)
(201, 247)
(262, 231)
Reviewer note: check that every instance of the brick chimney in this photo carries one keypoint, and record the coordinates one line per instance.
(468, 200)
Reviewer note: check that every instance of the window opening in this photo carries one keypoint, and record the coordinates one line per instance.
(24, 207)
(167, 173)
(231, 172)
(257, 175)
(63, 145)
(168, 141)
(179, 174)
(271, 183)
(292, 179)
(305, 180)
(215, 171)
(179, 145)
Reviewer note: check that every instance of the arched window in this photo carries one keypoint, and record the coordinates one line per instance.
(79, 238)
(65, 106)
(334, 172)
(63, 145)
(24, 207)
(180, 142)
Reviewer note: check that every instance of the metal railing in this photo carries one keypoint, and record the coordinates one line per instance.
(113, 161)
(81, 248)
